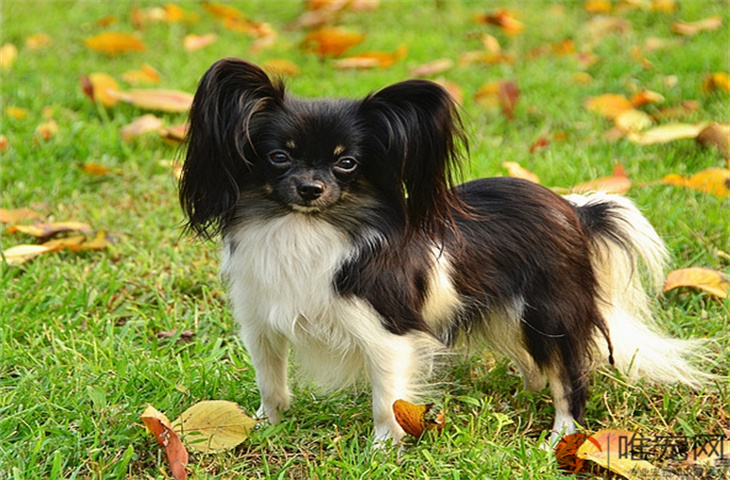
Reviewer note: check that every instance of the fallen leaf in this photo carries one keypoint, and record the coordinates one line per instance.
(433, 68)
(515, 170)
(18, 215)
(106, 21)
(485, 58)
(453, 89)
(46, 230)
(159, 425)
(716, 135)
(633, 120)
(146, 74)
(220, 10)
(98, 87)
(712, 281)
(714, 180)
(156, 99)
(646, 96)
(281, 67)
(609, 105)
(684, 109)
(414, 419)
(331, 41)
(46, 130)
(371, 60)
(214, 426)
(711, 454)
(8, 54)
(663, 6)
(597, 6)
(667, 133)
(184, 336)
(95, 169)
(114, 43)
(716, 81)
(39, 40)
(175, 134)
(617, 183)
(17, 113)
(539, 144)
(612, 449)
(194, 42)
(693, 28)
(22, 253)
(503, 18)
(4, 144)
(503, 94)
(140, 125)
(565, 453)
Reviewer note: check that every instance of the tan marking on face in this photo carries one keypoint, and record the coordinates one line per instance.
(291, 145)
(339, 150)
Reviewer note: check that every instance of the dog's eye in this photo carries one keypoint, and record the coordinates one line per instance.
(279, 158)
(346, 165)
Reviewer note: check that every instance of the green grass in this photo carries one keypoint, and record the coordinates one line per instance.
(79, 352)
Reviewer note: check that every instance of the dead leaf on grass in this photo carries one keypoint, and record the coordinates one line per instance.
(214, 426)
(416, 420)
(159, 425)
(711, 281)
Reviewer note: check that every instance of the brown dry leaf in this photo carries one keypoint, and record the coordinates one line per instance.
(22, 253)
(113, 43)
(433, 68)
(617, 183)
(97, 86)
(8, 54)
(46, 230)
(96, 169)
(107, 21)
(715, 181)
(667, 133)
(159, 425)
(516, 170)
(415, 420)
(693, 28)
(716, 135)
(39, 40)
(597, 6)
(646, 96)
(503, 18)
(213, 426)
(609, 105)
(194, 42)
(156, 99)
(712, 281)
(146, 74)
(371, 60)
(716, 81)
(140, 125)
(611, 449)
(18, 215)
(281, 67)
(565, 452)
(331, 41)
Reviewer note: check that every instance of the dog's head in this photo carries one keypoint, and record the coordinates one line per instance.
(397, 146)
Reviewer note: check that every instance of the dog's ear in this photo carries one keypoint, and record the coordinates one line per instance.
(229, 95)
(419, 135)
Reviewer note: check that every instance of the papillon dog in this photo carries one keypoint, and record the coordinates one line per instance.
(346, 240)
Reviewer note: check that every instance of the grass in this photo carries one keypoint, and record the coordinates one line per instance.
(79, 352)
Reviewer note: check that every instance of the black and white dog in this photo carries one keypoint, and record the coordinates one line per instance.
(344, 239)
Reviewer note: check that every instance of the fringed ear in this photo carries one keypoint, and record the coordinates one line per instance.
(229, 95)
(417, 127)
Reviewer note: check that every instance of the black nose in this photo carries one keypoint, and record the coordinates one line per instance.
(310, 190)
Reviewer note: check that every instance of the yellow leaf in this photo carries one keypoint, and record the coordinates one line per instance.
(95, 169)
(46, 130)
(667, 133)
(371, 60)
(433, 68)
(223, 11)
(597, 6)
(612, 449)
(159, 425)
(414, 419)
(194, 42)
(715, 181)
(18, 215)
(633, 120)
(716, 81)
(617, 183)
(175, 134)
(664, 6)
(693, 28)
(156, 99)
(45, 230)
(146, 74)
(514, 169)
(281, 67)
(22, 253)
(609, 105)
(646, 96)
(8, 54)
(712, 281)
(503, 18)
(17, 112)
(113, 43)
(140, 125)
(331, 41)
(99, 87)
(214, 426)
(37, 41)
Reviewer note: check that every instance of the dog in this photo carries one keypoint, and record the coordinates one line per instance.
(346, 238)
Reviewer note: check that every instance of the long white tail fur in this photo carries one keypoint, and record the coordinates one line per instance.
(630, 258)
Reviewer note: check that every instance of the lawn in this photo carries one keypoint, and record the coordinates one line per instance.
(88, 338)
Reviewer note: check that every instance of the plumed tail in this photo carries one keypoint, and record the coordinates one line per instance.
(629, 259)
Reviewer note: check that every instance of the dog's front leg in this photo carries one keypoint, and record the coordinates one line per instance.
(268, 352)
(393, 370)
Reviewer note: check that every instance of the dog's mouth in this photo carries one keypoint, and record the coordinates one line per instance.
(305, 208)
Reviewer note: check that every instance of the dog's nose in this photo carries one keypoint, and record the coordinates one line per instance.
(310, 190)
